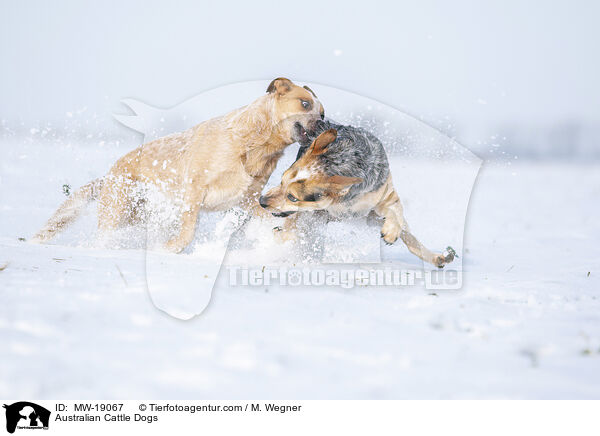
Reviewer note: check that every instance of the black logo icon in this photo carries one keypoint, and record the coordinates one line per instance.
(26, 415)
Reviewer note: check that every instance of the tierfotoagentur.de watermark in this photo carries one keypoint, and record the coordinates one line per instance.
(346, 278)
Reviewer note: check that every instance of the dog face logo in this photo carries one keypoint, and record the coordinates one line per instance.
(26, 415)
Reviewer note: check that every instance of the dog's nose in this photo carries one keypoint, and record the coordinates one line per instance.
(263, 202)
(322, 115)
(319, 125)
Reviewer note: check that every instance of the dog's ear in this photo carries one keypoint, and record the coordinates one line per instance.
(310, 90)
(342, 184)
(281, 85)
(319, 146)
(343, 181)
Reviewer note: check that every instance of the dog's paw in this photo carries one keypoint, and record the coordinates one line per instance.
(439, 261)
(442, 259)
(390, 232)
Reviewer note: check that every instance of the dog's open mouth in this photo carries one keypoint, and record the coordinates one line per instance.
(283, 214)
(301, 132)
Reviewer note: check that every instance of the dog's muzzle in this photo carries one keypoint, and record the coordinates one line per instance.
(263, 202)
(282, 214)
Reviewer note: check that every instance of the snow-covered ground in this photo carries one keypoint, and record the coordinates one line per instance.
(76, 320)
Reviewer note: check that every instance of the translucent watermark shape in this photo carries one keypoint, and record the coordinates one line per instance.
(432, 174)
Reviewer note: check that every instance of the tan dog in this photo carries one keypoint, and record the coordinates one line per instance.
(345, 172)
(215, 165)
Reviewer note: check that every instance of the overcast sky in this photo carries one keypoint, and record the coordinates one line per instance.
(477, 62)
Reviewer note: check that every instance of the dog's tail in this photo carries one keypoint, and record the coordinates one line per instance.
(69, 211)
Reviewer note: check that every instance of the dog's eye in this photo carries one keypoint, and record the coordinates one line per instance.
(292, 198)
(313, 197)
(305, 104)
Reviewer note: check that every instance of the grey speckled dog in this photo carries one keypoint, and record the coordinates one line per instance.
(345, 172)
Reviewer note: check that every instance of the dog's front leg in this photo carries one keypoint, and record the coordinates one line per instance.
(395, 227)
(390, 209)
(250, 201)
(192, 204)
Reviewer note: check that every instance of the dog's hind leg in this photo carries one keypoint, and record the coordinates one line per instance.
(395, 227)
(418, 249)
(69, 211)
